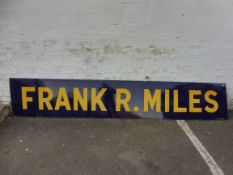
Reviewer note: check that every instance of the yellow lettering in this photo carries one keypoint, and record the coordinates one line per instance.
(211, 101)
(79, 99)
(96, 99)
(25, 98)
(167, 100)
(120, 101)
(152, 101)
(45, 100)
(176, 103)
(62, 99)
(193, 101)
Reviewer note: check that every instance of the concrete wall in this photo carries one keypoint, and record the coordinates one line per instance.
(178, 40)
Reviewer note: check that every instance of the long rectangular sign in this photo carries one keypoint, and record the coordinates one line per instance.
(118, 99)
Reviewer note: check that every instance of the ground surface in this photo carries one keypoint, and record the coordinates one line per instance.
(97, 147)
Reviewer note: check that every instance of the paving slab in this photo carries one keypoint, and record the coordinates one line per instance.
(217, 137)
(89, 146)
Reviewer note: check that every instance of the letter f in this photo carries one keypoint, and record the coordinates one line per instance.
(25, 98)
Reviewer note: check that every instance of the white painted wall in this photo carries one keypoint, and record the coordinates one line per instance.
(168, 40)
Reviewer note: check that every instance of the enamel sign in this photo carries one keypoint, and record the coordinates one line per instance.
(118, 99)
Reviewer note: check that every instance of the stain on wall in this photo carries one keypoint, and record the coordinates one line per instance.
(158, 40)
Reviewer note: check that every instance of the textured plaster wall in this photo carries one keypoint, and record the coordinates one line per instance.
(178, 40)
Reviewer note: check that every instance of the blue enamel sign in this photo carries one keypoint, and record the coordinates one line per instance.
(118, 99)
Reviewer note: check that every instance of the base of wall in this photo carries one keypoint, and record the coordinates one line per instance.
(5, 112)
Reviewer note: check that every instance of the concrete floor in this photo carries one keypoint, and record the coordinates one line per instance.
(44, 146)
